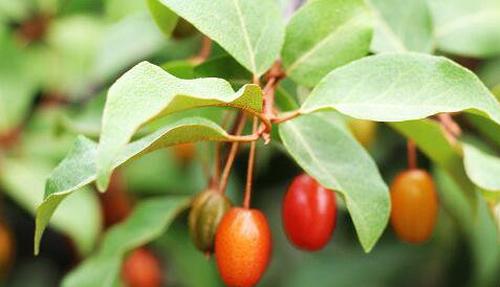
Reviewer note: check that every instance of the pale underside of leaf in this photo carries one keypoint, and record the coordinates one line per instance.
(326, 151)
(400, 87)
(482, 168)
(147, 92)
(78, 168)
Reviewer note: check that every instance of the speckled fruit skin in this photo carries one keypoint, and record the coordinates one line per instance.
(206, 212)
(414, 206)
(141, 269)
(242, 247)
(309, 213)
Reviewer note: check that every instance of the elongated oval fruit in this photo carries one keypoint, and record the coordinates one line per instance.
(207, 211)
(364, 131)
(141, 269)
(6, 249)
(414, 205)
(242, 247)
(309, 213)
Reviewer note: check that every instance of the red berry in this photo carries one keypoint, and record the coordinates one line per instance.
(116, 203)
(242, 247)
(414, 205)
(6, 249)
(309, 213)
(141, 269)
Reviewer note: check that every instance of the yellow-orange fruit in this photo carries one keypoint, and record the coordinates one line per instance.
(184, 152)
(414, 205)
(364, 131)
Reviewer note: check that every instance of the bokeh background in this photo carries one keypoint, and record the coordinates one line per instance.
(57, 59)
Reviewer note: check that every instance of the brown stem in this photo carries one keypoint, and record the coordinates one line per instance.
(450, 128)
(412, 154)
(214, 182)
(250, 169)
(273, 78)
(232, 154)
(269, 91)
(205, 50)
(285, 117)
(256, 80)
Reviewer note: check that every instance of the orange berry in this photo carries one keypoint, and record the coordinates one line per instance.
(242, 247)
(184, 152)
(414, 205)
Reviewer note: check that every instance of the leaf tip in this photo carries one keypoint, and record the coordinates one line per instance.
(102, 182)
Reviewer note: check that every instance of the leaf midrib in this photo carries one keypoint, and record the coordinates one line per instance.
(246, 37)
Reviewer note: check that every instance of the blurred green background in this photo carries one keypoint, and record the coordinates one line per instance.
(57, 59)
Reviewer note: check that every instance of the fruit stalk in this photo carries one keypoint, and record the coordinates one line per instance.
(250, 168)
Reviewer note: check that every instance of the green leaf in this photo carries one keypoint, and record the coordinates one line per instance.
(485, 127)
(124, 43)
(79, 167)
(72, 44)
(223, 67)
(23, 181)
(14, 10)
(324, 148)
(164, 17)
(17, 85)
(147, 92)
(119, 9)
(489, 72)
(482, 168)
(148, 221)
(467, 27)
(251, 31)
(183, 69)
(402, 26)
(478, 226)
(400, 87)
(323, 35)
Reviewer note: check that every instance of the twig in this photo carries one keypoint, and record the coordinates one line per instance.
(273, 78)
(412, 154)
(232, 154)
(285, 117)
(205, 50)
(214, 182)
(450, 128)
(250, 168)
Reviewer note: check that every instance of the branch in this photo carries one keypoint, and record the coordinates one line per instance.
(232, 153)
(411, 154)
(450, 128)
(250, 169)
(205, 50)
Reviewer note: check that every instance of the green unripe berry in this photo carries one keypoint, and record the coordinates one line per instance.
(207, 210)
